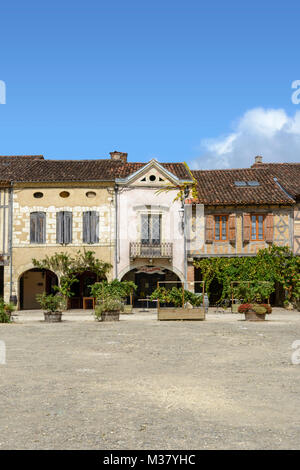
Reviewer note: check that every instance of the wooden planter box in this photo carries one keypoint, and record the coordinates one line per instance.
(253, 316)
(52, 317)
(181, 313)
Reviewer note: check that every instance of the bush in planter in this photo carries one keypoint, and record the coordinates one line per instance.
(110, 304)
(6, 310)
(110, 297)
(259, 309)
(50, 303)
(175, 296)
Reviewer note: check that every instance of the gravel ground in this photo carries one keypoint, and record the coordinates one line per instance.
(142, 384)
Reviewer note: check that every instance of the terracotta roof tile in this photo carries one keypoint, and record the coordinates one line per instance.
(37, 169)
(288, 175)
(217, 187)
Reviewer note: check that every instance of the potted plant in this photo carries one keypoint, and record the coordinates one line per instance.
(183, 304)
(52, 306)
(6, 310)
(110, 298)
(108, 309)
(255, 312)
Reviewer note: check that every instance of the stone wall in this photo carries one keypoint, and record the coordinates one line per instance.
(24, 203)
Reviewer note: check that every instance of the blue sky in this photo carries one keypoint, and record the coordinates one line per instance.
(174, 80)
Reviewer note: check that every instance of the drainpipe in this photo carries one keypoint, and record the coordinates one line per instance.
(116, 232)
(184, 247)
(10, 242)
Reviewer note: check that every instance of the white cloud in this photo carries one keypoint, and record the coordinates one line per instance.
(267, 132)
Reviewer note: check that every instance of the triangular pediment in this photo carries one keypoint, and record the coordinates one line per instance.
(153, 174)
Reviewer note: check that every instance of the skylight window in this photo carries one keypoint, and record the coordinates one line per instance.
(243, 184)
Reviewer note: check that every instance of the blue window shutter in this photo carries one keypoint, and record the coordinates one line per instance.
(59, 227)
(94, 227)
(33, 227)
(68, 234)
(37, 227)
(86, 233)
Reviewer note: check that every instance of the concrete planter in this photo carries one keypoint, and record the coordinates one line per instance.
(110, 316)
(127, 309)
(253, 316)
(181, 313)
(52, 317)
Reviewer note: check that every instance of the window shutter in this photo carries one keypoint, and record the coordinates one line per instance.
(145, 228)
(68, 227)
(41, 227)
(232, 228)
(269, 228)
(86, 233)
(209, 229)
(246, 227)
(33, 228)
(155, 229)
(59, 227)
(94, 219)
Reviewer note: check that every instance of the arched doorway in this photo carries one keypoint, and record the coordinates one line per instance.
(35, 281)
(146, 279)
(81, 289)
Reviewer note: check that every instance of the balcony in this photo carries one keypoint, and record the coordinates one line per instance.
(151, 250)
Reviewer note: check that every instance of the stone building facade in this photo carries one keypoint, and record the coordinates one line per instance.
(116, 208)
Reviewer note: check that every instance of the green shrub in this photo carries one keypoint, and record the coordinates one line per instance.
(110, 304)
(50, 303)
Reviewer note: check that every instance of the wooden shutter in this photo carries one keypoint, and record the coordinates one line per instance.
(41, 227)
(86, 232)
(209, 229)
(59, 227)
(232, 227)
(246, 227)
(33, 228)
(68, 227)
(269, 228)
(94, 227)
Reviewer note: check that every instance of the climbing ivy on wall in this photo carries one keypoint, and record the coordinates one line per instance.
(273, 264)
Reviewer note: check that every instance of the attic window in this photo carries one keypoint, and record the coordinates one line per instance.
(64, 194)
(144, 179)
(90, 194)
(161, 179)
(38, 195)
(152, 178)
(240, 183)
(253, 183)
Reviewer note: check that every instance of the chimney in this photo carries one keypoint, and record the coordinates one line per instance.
(118, 156)
(258, 159)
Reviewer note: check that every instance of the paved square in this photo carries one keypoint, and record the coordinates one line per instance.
(143, 384)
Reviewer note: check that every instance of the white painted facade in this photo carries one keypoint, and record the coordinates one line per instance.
(138, 195)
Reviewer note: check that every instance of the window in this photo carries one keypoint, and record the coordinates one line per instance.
(151, 229)
(37, 227)
(257, 227)
(64, 194)
(38, 195)
(90, 227)
(221, 228)
(64, 227)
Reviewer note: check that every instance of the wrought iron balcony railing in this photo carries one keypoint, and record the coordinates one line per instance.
(151, 250)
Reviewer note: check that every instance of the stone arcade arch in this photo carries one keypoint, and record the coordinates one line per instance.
(146, 278)
(32, 282)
